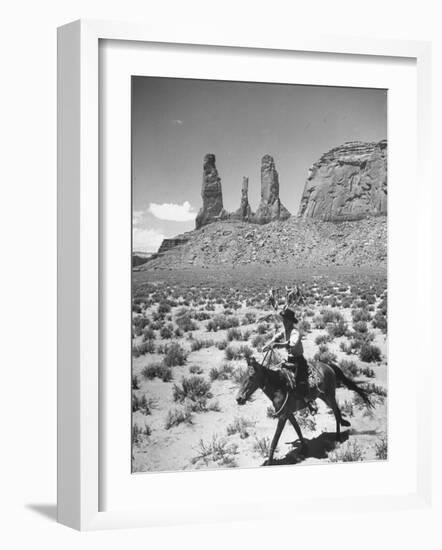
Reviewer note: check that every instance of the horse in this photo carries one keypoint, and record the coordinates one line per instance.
(286, 401)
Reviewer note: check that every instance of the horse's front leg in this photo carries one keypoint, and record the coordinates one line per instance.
(295, 424)
(281, 423)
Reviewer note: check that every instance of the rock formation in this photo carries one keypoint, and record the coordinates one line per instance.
(244, 212)
(270, 207)
(347, 183)
(211, 193)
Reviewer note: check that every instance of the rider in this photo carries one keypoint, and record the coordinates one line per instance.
(296, 364)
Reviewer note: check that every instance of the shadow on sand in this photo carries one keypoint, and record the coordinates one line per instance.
(318, 447)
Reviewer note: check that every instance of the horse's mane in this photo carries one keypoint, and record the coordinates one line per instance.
(276, 378)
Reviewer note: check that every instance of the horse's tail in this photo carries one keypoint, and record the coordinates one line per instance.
(351, 384)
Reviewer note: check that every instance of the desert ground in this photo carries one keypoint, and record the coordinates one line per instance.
(193, 328)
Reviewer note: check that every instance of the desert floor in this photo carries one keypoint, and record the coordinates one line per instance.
(186, 374)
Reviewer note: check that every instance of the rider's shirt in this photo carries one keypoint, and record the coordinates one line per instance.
(295, 347)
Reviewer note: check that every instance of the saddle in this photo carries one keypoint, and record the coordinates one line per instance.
(300, 382)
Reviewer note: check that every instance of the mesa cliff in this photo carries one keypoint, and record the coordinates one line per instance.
(347, 183)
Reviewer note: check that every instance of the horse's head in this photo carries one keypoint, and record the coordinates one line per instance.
(253, 379)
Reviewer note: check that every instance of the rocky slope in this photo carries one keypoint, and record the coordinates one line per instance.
(298, 242)
(347, 183)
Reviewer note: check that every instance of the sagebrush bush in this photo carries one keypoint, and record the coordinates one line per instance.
(381, 448)
(175, 355)
(216, 451)
(178, 416)
(241, 426)
(224, 372)
(369, 353)
(262, 446)
(348, 452)
(157, 370)
(166, 332)
(186, 323)
(337, 329)
(322, 339)
(193, 387)
(233, 334)
(349, 368)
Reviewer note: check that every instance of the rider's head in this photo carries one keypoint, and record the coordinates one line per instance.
(288, 317)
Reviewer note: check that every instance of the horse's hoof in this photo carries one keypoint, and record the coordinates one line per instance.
(345, 423)
(268, 462)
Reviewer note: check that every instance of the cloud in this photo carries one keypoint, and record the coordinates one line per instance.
(146, 240)
(173, 212)
(137, 217)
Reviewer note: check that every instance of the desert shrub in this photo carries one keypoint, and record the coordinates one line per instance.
(142, 404)
(178, 333)
(139, 323)
(135, 384)
(196, 345)
(322, 339)
(202, 315)
(337, 329)
(360, 315)
(304, 326)
(195, 369)
(305, 420)
(319, 322)
(259, 341)
(262, 328)
(372, 388)
(148, 334)
(324, 355)
(166, 332)
(143, 348)
(369, 353)
(216, 451)
(348, 452)
(233, 334)
(346, 348)
(241, 426)
(185, 322)
(245, 334)
(368, 372)
(237, 352)
(194, 388)
(222, 322)
(347, 408)
(360, 326)
(381, 448)
(178, 415)
(238, 375)
(249, 318)
(349, 368)
(138, 433)
(163, 307)
(222, 373)
(380, 321)
(331, 316)
(262, 446)
(222, 344)
(157, 370)
(175, 355)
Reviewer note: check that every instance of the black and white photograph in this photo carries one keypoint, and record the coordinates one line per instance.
(259, 274)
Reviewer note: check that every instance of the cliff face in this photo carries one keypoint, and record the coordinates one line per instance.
(270, 208)
(347, 183)
(211, 193)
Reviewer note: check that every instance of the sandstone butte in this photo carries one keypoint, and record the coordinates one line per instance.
(348, 184)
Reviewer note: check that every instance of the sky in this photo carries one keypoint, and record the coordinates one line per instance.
(175, 122)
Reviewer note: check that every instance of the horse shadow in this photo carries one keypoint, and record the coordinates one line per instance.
(317, 447)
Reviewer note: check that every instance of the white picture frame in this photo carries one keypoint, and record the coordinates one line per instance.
(79, 292)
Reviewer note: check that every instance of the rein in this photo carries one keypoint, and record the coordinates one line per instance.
(283, 405)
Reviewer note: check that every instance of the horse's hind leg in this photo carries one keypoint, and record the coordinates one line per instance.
(295, 424)
(281, 423)
(331, 402)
